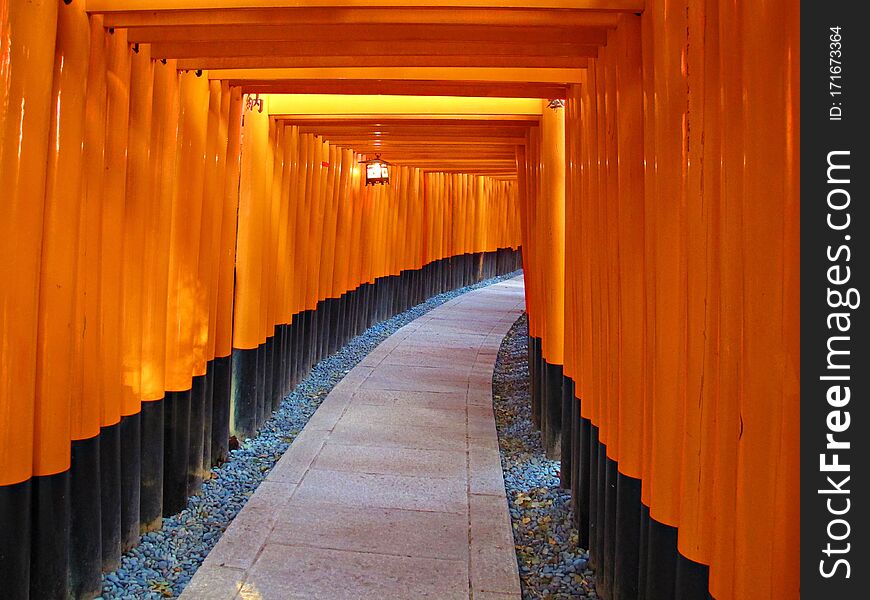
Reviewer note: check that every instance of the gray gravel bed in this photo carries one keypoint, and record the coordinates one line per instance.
(165, 561)
(551, 563)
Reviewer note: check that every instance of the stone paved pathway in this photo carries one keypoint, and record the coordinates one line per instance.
(394, 488)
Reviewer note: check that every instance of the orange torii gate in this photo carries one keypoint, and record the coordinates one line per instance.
(175, 258)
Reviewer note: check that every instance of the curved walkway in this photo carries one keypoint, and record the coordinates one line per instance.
(394, 488)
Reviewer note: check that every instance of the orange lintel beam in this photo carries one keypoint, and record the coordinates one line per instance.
(416, 132)
(501, 75)
(378, 48)
(505, 170)
(502, 175)
(447, 136)
(444, 142)
(430, 145)
(495, 173)
(360, 16)
(443, 163)
(403, 87)
(609, 5)
(467, 170)
(427, 146)
(419, 131)
(411, 129)
(459, 168)
(402, 122)
(492, 143)
(406, 154)
(595, 36)
(459, 149)
(471, 127)
(425, 60)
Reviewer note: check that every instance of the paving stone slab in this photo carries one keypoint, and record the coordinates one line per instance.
(383, 491)
(392, 436)
(427, 379)
(214, 583)
(481, 595)
(288, 572)
(422, 534)
(447, 343)
(411, 462)
(431, 356)
(412, 416)
(493, 560)
(484, 471)
(242, 541)
(292, 466)
(398, 399)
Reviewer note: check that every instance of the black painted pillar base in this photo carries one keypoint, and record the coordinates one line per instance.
(568, 426)
(110, 496)
(535, 379)
(310, 340)
(260, 388)
(279, 365)
(601, 512)
(592, 538)
(85, 549)
(195, 435)
(49, 558)
(692, 580)
(627, 534)
(220, 409)
(131, 474)
(243, 409)
(320, 336)
(346, 319)
(302, 346)
(151, 475)
(286, 375)
(15, 524)
(607, 548)
(290, 355)
(574, 478)
(332, 332)
(293, 352)
(581, 500)
(207, 418)
(266, 372)
(551, 427)
(289, 349)
(176, 439)
(350, 315)
(660, 570)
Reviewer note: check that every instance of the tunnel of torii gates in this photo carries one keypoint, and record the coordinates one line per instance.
(185, 231)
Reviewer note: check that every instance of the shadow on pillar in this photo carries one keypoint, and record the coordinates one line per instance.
(551, 409)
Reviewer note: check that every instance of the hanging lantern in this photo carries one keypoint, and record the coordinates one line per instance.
(377, 171)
